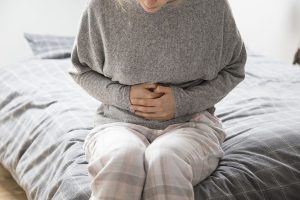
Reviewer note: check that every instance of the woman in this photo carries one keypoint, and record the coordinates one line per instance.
(158, 68)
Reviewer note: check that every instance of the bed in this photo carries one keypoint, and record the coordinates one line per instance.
(45, 116)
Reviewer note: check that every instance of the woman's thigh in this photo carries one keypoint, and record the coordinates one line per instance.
(115, 152)
(197, 141)
(112, 136)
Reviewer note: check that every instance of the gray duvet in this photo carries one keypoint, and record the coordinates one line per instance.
(45, 116)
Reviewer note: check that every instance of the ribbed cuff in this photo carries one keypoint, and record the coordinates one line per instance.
(182, 102)
(122, 98)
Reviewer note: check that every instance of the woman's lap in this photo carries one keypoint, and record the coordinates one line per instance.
(203, 132)
(198, 142)
(151, 134)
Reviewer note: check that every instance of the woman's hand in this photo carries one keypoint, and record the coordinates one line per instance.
(143, 91)
(157, 104)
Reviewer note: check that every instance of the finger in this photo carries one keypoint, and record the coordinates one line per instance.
(144, 102)
(161, 89)
(146, 109)
(151, 94)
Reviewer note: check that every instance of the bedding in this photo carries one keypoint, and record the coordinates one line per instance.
(45, 116)
(45, 46)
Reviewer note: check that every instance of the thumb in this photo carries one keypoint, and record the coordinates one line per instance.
(161, 89)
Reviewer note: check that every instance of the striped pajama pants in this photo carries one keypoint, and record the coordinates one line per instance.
(132, 162)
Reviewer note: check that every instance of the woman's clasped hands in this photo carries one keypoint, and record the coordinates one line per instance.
(152, 101)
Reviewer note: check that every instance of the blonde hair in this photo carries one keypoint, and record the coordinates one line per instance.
(170, 2)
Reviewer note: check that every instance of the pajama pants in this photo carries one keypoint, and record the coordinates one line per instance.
(132, 162)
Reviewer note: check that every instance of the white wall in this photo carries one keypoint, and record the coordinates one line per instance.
(269, 26)
(266, 25)
(36, 16)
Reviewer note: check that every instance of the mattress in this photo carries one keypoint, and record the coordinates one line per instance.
(45, 117)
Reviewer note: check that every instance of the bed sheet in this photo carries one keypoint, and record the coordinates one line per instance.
(45, 117)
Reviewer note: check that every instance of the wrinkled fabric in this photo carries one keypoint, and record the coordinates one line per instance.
(132, 162)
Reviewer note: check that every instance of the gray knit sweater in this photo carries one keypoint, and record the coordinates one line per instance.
(196, 49)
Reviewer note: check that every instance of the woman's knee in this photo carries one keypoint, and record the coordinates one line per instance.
(122, 151)
(168, 146)
(156, 155)
(117, 157)
(114, 139)
(195, 159)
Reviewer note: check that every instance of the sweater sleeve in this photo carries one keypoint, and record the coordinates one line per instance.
(231, 72)
(87, 60)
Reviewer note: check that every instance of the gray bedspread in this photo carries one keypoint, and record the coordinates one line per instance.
(45, 116)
